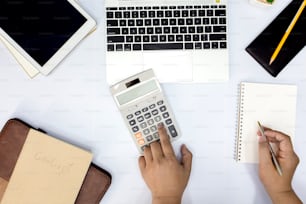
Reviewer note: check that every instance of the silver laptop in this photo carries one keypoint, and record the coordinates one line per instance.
(182, 40)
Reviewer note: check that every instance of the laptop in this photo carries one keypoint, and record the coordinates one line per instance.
(181, 40)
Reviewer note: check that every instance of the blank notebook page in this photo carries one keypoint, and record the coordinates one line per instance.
(273, 105)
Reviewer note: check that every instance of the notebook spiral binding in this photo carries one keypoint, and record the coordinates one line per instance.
(240, 124)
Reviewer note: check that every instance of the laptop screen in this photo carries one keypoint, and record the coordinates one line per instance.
(40, 27)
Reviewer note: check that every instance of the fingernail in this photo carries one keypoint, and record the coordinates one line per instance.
(160, 125)
(261, 139)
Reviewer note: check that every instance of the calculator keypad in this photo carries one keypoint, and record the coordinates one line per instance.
(144, 122)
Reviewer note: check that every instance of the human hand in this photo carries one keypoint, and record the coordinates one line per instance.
(278, 187)
(165, 176)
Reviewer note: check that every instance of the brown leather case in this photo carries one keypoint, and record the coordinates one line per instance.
(12, 138)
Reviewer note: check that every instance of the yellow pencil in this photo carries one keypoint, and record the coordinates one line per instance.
(288, 31)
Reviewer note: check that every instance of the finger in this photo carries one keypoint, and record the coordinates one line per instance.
(142, 163)
(264, 154)
(165, 141)
(259, 132)
(186, 158)
(156, 149)
(148, 155)
(284, 141)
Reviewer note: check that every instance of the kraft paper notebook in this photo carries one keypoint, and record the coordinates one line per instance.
(48, 170)
(13, 139)
(263, 46)
(274, 105)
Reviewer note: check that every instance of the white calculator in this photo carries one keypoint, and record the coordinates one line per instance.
(143, 106)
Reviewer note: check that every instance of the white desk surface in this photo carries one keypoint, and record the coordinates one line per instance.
(73, 103)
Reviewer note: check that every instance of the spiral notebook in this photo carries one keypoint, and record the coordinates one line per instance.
(274, 105)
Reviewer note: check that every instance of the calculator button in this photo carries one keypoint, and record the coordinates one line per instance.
(151, 122)
(143, 147)
(166, 115)
(140, 119)
(143, 125)
(129, 116)
(172, 131)
(152, 106)
(153, 128)
(135, 129)
(157, 118)
(141, 142)
(137, 113)
(163, 108)
(132, 122)
(155, 112)
(168, 121)
(147, 115)
(138, 135)
(145, 109)
(161, 102)
(146, 131)
(149, 138)
(156, 135)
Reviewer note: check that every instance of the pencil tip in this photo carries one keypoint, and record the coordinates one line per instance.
(271, 61)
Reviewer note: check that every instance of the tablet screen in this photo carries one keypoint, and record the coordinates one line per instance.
(40, 27)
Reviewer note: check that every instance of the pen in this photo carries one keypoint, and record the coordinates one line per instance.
(276, 164)
(288, 31)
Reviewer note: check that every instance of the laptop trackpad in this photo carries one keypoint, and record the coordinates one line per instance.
(174, 65)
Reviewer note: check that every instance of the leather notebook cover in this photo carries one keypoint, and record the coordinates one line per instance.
(266, 42)
(12, 138)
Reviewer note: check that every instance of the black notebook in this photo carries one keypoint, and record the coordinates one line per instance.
(266, 42)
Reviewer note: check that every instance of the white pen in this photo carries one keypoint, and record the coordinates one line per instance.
(276, 164)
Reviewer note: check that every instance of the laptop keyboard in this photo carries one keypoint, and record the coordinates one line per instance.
(166, 28)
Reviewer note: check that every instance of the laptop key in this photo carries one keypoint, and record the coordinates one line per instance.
(198, 46)
(118, 14)
(223, 45)
(214, 37)
(136, 46)
(112, 23)
(119, 47)
(113, 31)
(163, 46)
(110, 47)
(222, 20)
(156, 22)
(131, 22)
(122, 22)
(125, 31)
(187, 38)
(162, 38)
(109, 15)
(220, 12)
(214, 45)
(126, 14)
(206, 45)
(219, 29)
(127, 47)
(148, 22)
(188, 46)
(115, 39)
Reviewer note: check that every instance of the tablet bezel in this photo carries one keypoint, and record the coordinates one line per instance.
(65, 49)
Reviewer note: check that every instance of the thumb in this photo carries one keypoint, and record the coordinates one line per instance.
(264, 154)
(186, 158)
(142, 164)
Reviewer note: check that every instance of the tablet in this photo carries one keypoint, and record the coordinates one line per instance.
(44, 31)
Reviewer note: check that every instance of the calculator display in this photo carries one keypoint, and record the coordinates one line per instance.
(138, 91)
